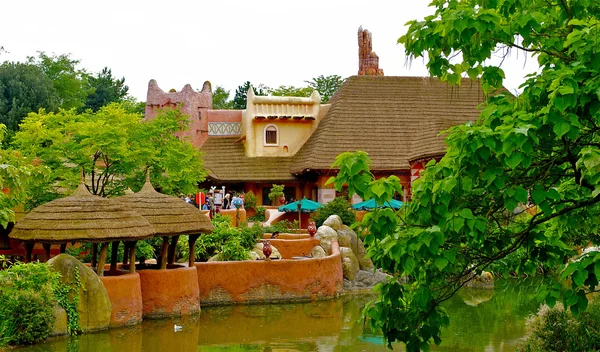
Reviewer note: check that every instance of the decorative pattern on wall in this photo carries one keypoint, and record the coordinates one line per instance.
(224, 128)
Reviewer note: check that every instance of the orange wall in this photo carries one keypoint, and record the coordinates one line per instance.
(169, 292)
(294, 248)
(270, 281)
(125, 295)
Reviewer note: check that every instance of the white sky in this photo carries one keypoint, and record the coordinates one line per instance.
(224, 41)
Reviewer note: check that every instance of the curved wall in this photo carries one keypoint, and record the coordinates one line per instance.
(125, 295)
(293, 248)
(169, 292)
(270, 281)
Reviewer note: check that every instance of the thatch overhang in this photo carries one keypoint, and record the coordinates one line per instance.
(393, 119)
(226, 161)
(169, 215)
(82, 217)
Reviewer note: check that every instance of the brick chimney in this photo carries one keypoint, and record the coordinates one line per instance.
(368, 61)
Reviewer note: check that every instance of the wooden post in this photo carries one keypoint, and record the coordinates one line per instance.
(164, 252)
(132, 257)
(126, 246)
(114, 252)
(94, 254)
(172, 249)
(28, 251)
(192, 256)
(102, 259)
(63, 247)
(46, 251)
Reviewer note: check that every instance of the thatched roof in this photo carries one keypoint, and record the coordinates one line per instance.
(393, 119)
(82, 217)
(169, 215)
(227, 161)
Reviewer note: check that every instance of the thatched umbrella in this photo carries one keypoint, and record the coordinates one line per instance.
(81, 217)
(171, 217)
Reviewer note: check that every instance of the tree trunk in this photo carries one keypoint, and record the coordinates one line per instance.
(192, 244)
(172, 249)
(164, 253)
(102, 259)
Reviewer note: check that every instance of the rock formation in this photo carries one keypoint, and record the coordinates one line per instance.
(368, 61)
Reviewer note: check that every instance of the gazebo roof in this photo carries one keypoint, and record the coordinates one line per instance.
(82, 217)
(169, 215)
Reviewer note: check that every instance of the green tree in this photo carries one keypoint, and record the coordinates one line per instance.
(326, 86)
(544, 144)
(105, 89)
(24, 88)
(239, 100)
(68, 81)
(114, 147)
(275, 193)
(221, 99)
(291, 91)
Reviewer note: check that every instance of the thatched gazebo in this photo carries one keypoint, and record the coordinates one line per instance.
(171, 217)
(83, 217)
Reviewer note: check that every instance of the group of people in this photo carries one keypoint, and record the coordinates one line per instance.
(233, 202)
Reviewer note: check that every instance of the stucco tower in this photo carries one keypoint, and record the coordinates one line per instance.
(368, 61)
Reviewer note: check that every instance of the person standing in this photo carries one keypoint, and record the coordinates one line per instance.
(226, 202)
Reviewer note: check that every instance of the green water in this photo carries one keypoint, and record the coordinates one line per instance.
(486, 322)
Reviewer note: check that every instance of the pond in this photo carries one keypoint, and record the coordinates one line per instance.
(480, 321)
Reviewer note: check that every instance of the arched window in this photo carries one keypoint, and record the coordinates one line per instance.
(271, 137)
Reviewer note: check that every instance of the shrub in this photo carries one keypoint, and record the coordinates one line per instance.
(260, 215)
(250, 200)
(26, 303)
(557, 329)
(275, 193)
(338, 206)
(282, 226)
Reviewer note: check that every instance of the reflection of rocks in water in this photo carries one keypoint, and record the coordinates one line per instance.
(485, 280)
(474, 296)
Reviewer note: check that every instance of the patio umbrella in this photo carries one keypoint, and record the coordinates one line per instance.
(301, 206)
(371, 204)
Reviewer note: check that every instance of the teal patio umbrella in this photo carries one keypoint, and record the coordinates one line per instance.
(370, 204)
(301, 206)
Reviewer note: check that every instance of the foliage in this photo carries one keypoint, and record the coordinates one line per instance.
(24, 88)
(67, 296)
(282, 226)
(233, 243)
(557, 329)
(70, 83)
(249, 200)
(291, 91)
(114, 147)
(145, 249)
(338, 206)
(326, 86)
(239, 100)
(221, 99)
(275, 193)
(26, 303)
(105, 89)
(544, 143)
(260, 214)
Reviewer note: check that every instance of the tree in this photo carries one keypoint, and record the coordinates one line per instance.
(239, 100)
(326, 86)
(105, 89)
(24, 88)
(275, 193)
(68, 81)
(114, 147)
(291, 91)
(469, 211)
(221, 99)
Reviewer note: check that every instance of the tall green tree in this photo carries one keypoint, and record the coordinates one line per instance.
(291, 91)
(24, 88)
(68, 80)
(326, 86)
(221, 99)
(114, 147)
(105, 89)
(239, 100)
(469, 211)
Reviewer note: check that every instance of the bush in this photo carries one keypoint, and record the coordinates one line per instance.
(556, 329)
(26, 303)
(275, 193)
(339, 206)
(250, 200)
(282, 226)
(260, 215)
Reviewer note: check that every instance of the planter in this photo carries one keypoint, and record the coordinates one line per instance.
(170, 292)
(125, 295)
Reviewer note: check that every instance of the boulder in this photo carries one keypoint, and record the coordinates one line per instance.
(365, 280)
(258, 249)
(326, 234)
(253, 255)
(215, 258)
(350, 264)
(348, 238)
(60, 324)
(94, 304)
(361, 255)
(334, 221)
(317, 252)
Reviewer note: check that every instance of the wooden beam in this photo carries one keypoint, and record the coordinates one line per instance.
(94, 254)
(46, 251)
(63, 247)
(114, 252)
(172, 249)
(102, 259)
(132, 257)
(28, 251)
(164, 253)
(192, 244)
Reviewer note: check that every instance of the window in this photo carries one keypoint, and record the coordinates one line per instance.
(271, 135)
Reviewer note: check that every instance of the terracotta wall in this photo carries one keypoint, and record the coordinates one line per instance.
(231, 213)
(289, 248)
(125, 295)
(270, 281)
(170, 292)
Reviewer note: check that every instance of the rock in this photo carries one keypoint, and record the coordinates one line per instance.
(361, 255)
(348, 238)
(215, 258)
(326, 234)
(485, 280)
(334, 221)
(365, 280)
(258, 249)
(317, 252)
(60, 325)
(350, 264)
(253, 255)
(94, 304)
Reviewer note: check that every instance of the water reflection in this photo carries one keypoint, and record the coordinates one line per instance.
(480, 322)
